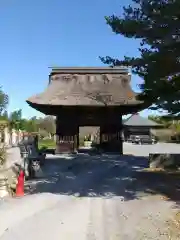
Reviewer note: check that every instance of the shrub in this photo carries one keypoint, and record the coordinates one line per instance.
(46, 143)
(2, 155)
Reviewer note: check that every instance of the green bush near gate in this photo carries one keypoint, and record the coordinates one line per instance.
(51, 144)
(46, 143)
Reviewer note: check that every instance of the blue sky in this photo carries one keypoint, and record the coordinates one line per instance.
(38, 34)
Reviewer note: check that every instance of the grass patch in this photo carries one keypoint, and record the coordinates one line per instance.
(47, 143)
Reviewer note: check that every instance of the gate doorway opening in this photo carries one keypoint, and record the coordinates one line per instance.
(89, 136)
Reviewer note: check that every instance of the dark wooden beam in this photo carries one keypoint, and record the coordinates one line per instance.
(111, 137)
(66, 136)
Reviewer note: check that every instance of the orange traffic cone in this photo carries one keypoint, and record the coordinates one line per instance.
(20, 185)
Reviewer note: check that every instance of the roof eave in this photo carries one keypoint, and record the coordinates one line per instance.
(50, 109)
(90, 70)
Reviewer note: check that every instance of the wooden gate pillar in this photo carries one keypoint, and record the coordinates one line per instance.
(111, 138)
(67, 137)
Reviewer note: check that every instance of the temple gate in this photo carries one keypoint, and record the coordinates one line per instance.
(88, 97)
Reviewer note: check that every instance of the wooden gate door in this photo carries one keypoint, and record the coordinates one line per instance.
(66, 141)
(111, 138)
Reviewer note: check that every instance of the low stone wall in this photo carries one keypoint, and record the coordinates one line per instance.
(165, 161)
(9, 171)
(12, 137)
(8, 178)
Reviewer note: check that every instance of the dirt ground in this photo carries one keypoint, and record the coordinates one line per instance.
(95, 197)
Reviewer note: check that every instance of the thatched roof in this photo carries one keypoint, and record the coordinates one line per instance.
(89, 70)
(87, 87)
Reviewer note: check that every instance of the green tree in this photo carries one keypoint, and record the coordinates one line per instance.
(4, 115)
(23, 123)
(47, 124)
(160, 120)
(32, 125)
(15, 119)
(4, 100)
(156, 23)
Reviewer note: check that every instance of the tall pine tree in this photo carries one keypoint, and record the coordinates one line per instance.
(156, 23)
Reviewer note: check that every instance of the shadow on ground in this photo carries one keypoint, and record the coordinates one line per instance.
(102, 175)
(165, 183)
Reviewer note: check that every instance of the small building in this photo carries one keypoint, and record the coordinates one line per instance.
(137, 125)
(88, 96)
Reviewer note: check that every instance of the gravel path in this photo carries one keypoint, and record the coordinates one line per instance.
(87, 219)
(96, 198)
